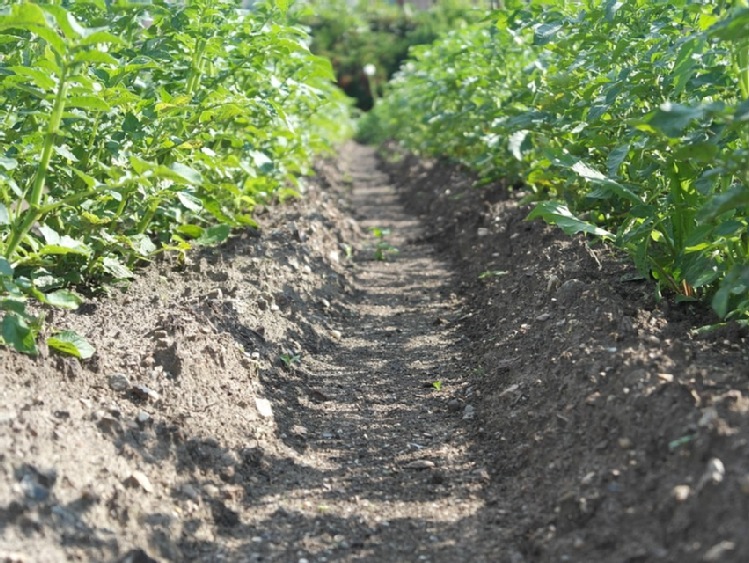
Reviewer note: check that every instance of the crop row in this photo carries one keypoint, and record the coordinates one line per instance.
(130, 129)
(627, 121)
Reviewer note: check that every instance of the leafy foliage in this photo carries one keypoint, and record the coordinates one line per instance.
(128, 129)
(377, 35)
(625, 120)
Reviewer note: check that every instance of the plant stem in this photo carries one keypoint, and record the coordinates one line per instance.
(38, 182)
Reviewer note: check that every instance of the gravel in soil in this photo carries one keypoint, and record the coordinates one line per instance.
(396, 368)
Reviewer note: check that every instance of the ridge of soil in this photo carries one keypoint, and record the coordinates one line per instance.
(612, 431)
(492, 391)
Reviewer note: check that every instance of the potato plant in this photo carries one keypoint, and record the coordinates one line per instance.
(129, 129)
(628, 121)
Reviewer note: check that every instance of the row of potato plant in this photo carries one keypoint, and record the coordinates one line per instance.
(628, 121)
(133, 128)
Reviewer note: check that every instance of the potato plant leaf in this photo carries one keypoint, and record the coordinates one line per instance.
(18, 334)
(556, 213)
(72, 344)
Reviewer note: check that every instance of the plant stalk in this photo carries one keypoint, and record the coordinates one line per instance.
(34, 212)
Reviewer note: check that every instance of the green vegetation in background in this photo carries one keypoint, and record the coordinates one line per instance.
(378, 33)
(129, 129)
(625, 120)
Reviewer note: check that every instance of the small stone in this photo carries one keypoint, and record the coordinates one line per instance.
(334, 256)
(625, 443)
(419, 464)
(145, 393)
(588, 478)
(210, 489)
(143, 417)
(482, 232)
(139, 479)
(264, 407)
(709, 417)
(469, 412)
(118, 382)
(714, 473)
(336, 334)
(718, 551)
(215, 294)
(325, 303)
(666, 377)
(189, 491)
(454, 405)
(681, 492)
(109, 425)
(543, 317)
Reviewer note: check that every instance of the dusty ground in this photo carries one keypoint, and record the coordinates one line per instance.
(492, 391)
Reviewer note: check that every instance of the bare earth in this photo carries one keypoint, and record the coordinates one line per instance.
(492, 391)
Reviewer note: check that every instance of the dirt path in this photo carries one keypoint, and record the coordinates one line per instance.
(399, 480)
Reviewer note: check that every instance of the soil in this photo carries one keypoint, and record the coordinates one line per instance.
(398, 367)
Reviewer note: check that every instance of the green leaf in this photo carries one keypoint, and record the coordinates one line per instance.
(545, 33)
(72, 344)
(670, 119)
(735, 197)
(214, 235)
(608, 186)
(92, 103)
(116, 269)
(63, 299)
(734, 28)
(65, 152)
(736, 283)
(19, 335)
(96, 57)
(37, 77)
(66, 21)
(556, 213)
(8, 163)
(5, 268)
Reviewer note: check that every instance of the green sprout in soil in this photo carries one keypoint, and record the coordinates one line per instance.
(383, 249)
(289, 359)
(492, 274)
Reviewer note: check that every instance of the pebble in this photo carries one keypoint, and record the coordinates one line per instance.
(145, 393)
(469, 412)
(143, 417)
(454, 405)
(681, 492)
(119, 382)
(625, 443)
(718, 551)
(714, 473)
(264, 407)
(139, 479)
(189, 491)
(336, 334)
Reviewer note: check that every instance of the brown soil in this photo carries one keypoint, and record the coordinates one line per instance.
(492, 391)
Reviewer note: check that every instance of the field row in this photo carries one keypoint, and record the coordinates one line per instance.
(628, 121)
(129, 129)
